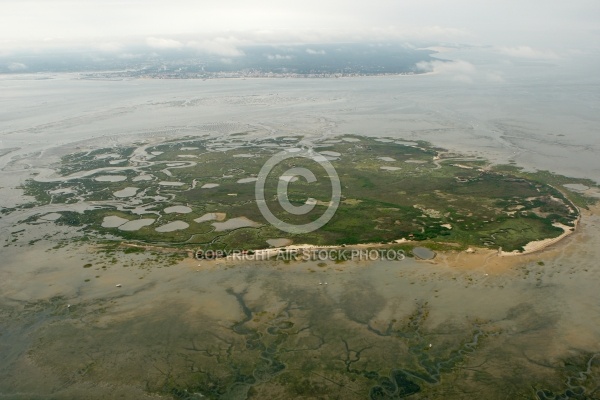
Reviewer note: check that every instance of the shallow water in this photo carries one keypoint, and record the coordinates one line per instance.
(247, 180)
(136, 224)
(173, 226)
(51, 216)
(113, 221)
(423, 253)
(268, 320)
(111, 178)
(170, 183)
(297, 330)
(235, 223)
(178, 209)
(211, 217)
(127, 192)
(142, 178)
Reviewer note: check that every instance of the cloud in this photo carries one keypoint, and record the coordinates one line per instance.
(494, 77)
(279, 57)
(452, 67)
(459, 71)
(434, 32)
(222, 46)
(129, 56)
(109, 47)
(15, 66)
(528, 52)
(163, 44)
(311, 51)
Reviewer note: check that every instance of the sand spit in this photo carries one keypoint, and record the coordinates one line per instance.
(539, 245)
(472, 258)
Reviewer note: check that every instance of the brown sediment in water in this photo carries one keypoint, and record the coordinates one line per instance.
(193, 313)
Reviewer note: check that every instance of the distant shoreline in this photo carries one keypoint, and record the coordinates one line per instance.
(240, 75)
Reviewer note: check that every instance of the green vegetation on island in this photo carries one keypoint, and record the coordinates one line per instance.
(200, 192)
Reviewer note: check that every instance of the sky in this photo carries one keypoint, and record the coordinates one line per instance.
(525, 27)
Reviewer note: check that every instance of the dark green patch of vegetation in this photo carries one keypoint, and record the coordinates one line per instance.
(451, 202)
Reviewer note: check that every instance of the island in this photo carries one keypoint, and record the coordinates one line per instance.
(198, 193)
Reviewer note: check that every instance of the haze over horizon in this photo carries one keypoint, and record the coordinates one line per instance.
(535, 30)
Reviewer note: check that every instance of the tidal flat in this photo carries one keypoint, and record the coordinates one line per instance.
(174, 328)
(82, 319)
